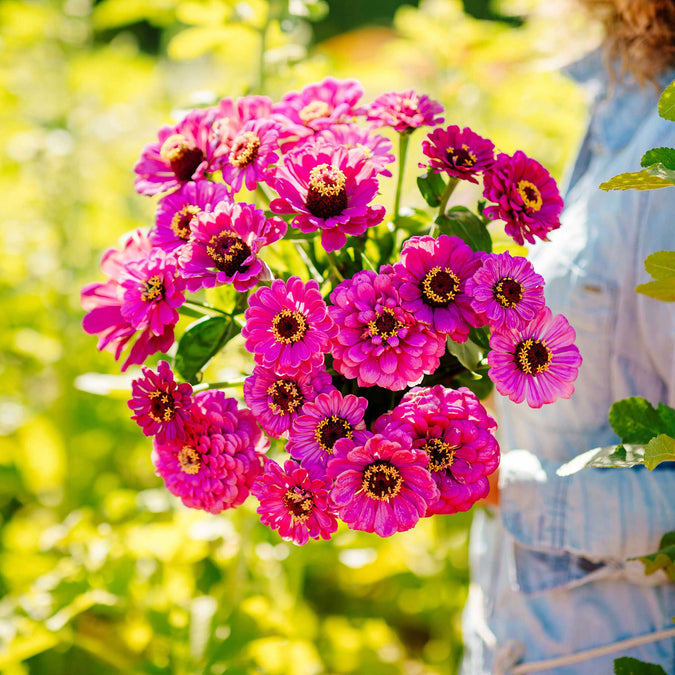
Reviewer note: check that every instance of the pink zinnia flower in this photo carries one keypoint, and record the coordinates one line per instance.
(506, 291)
(277, 400)
(538, 362)
(224, 247)
(252, 151)
(213, 467)
(176, 211)
(404, 111)
(184, 152)
(328, 188)
(287, 326)
(380, 342)
(455, 431)
(460, 153)
(380, 486)
(162, 408)
(525, 197)
(324, 421)
(434, 274)
(295, 501)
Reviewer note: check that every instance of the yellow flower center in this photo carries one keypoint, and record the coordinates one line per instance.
(180, 223)
(381, 480)
(153, 289)
(533, 357)
(530, 194)
(330, 430)
(439, 287)
(244, 149)
(190, 460)
(289, 327)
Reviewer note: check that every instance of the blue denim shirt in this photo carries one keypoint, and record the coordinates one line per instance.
(550, 577)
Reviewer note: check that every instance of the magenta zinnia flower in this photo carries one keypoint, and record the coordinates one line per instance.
(224, 247)
(175, 212)
(295, 501)
(185, 151)
(460, 153)
(325, 420)
(506, 291)
(538, 362)
(380, 486)
(213, 467)
(162, 408)
(329, 189)
(380, 342)
(525, 197)
(434, 274)
(287, 326)
(404, 111)
(277, 400)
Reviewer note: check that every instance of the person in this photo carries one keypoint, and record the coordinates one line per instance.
(553, 589)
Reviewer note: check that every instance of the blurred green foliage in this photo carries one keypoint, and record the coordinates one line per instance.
(100, 570)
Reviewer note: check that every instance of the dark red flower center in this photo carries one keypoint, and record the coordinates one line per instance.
(299, 503)
(461, 157)
(330, 430)
(183, 157)
(285, 397)
(507, 292)
(386, 325)
(439, 287)
(381, 480)
(289, 327)
(441, 454)
(180, 223)
(532, 356)
(228, 252)
(530, 194)
(153, 289)
(162, 406)
(326, 194)
(244, 149)
(190, 460)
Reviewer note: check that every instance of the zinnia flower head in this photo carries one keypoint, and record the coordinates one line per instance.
(380, 486)
(328, 418)
(434, 274)
(328, 188)
(460, 153)
(230, 117)
(538, 363)
(213, 467)
(525, 197)
(224, 247)
(287, 325)
(380, 342)
(162, 408)
(295, 501)
(277, 400)
(404, 111)
(506, 291)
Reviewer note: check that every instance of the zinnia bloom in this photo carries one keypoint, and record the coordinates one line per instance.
(537, 363)
(277, 400)
(434, 274)
(224, 247)
(328, 188)
(380, 486)
(324, 421)
(404, 111)
(295, 501)
(287, 326)
(525, 197)
(460, 153)
(213, 467)
(506, 291)
(380, 342)
(162, 408)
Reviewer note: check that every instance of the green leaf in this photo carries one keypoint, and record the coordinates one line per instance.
(413, 221)
(667, 103)
(460, 222)
(479, 383)
(635, 420)
(661, 171)
(200, 342)
(659, 449)
(640, 180)
(663, 559)
(609, 457)
(663, 290)
(467, 353)
(431, 186)
(664, 156)
(480, 337)
(627, 665)
(661, 265)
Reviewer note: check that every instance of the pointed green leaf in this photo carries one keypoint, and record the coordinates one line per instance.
(615, 457)
(467, 353)
(663, 559)
(664, 156)
(640, 180)
(659, 449)
(480, 337)
(667, 103)
(431, 186)
(479, 383)
(663, 290)
(462, 223)
(635, 420)
(200, 342)
(627, 665)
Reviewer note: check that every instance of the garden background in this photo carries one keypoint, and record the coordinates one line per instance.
(101, 570)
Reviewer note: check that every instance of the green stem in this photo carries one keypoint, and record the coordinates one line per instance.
(260, 84)
(203, 308)
(332, 261)
(260, 191)
(403, 140)
(232, 384)
(449, 189)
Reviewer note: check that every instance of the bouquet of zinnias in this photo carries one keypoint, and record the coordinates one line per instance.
(366, 334)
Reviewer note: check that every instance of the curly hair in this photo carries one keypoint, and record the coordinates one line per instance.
(639, 36)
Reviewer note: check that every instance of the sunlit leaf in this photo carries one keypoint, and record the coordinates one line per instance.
(612, 456)
(200, 342)
(663, 290)
(461, 222)
(659, 449)
(431, 186)
(639, 180)
(667, 102)
(663, 559)
(663, 156)
(635, 420)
